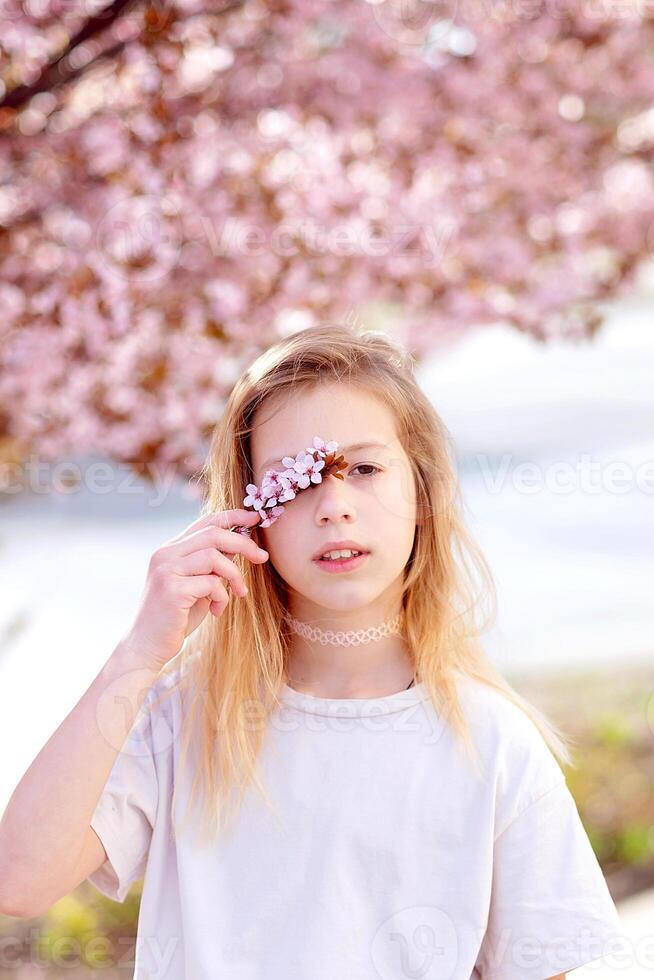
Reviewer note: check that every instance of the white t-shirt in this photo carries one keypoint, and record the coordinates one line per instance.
(389, 857)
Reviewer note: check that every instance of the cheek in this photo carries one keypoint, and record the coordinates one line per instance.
(394, 495)
(269, 540)
(283, 539)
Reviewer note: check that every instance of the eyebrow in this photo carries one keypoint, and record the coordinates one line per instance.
(342, 450)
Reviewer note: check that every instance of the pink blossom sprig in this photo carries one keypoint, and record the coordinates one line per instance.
(279, 486)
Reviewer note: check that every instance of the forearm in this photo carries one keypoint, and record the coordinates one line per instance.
(44, 824)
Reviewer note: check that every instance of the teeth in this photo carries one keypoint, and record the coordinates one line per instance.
(340, 554)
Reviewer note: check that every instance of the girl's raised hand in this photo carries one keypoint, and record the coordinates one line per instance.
(185, 581)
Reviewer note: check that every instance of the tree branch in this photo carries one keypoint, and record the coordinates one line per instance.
(54, 73)
(57, 73)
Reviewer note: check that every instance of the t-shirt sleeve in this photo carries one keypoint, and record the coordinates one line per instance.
(550, 910)
(124, 816)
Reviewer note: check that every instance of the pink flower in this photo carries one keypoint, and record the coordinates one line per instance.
(255, 497)
(273, 516)
(308, 468)
(279, 486)
(323, 447)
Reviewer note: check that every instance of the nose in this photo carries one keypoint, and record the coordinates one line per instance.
(332, 502)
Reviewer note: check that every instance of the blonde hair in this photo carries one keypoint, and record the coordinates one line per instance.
(235, 664)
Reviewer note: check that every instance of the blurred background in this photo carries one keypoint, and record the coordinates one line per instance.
(181, 184)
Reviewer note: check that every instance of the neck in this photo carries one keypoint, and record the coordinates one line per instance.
(367, 670)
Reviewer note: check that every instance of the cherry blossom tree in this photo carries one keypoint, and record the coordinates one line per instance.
(183, 184)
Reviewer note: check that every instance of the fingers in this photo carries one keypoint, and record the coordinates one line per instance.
(206, 586)
(220, 518)
(229, 542)
(208, 561)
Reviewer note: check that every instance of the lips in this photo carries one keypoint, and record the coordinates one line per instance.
(338, 565)
(348, 545)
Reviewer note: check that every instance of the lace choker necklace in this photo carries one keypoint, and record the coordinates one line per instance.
(347, 638)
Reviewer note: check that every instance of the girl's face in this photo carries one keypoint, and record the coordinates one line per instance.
(374, 505)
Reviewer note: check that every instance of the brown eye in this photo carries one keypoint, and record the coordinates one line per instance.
(368, 466)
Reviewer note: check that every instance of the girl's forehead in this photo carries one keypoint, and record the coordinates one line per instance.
(327, 405)
(337, 413)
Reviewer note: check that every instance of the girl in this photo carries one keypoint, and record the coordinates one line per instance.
(329, 780)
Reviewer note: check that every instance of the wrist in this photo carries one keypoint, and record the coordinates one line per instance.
(132, 654)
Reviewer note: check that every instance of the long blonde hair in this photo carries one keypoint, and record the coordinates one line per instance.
(235, 662)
